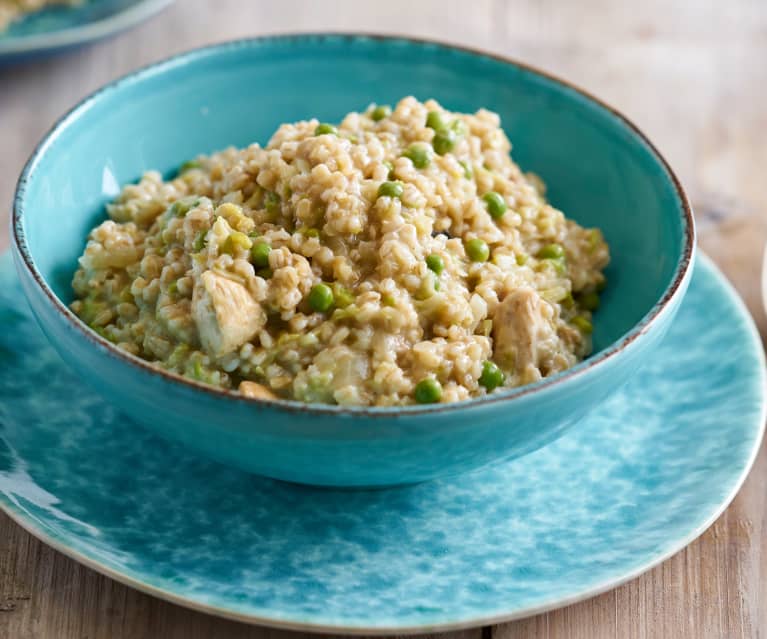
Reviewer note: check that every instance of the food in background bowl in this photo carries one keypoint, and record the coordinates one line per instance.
(12, 10)
(400, 257)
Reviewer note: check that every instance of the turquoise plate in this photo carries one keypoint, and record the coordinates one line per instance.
(58, 28)
(636, 481)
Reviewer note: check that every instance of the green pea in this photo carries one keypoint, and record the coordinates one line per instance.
(477, 250)
(325, 129)
(181, 207)
(444, 141)
(310, 232)
(560, 265)
(467, 172)
(458, 127)
(90, 309)
(178, 355)
(391, 189)
(435, 263)
(380, 112)
(266, 273)
(419, 155)
(321, 297)
(589, 301)
(106, 333)
(551, 252)
(435, 120)
(428, 391)
(496, 205)
(521, 259)
(271, 201)
(189, 165)
(583, 324)
(387, 300)
(259, 254)
(492, 377)
(429, 285)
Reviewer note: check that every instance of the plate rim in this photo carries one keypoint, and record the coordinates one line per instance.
(82, 34)
(17, 515)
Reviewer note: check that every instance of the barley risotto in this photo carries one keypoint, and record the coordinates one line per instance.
(399, 257)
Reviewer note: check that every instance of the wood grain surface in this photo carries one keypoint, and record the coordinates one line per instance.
(692, 74)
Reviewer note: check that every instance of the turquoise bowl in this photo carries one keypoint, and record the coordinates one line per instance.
(599, 168)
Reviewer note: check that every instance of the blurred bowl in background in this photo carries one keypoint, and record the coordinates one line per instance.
(60, 28)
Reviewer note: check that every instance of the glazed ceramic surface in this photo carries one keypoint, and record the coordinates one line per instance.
(59, 28)
(605, 174)
(646, 473)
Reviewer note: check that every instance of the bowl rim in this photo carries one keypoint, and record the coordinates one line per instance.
(681, 274)
(138, 12)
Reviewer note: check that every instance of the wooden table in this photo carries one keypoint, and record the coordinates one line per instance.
(691, 74)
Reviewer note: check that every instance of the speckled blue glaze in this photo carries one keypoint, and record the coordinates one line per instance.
(606, 175)
(641, 477)
(58, 28)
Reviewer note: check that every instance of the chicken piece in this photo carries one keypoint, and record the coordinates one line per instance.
(519, 329)
(255, 391)
(337, 374)
(112, 245)
(226, 314)
(350, 367)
